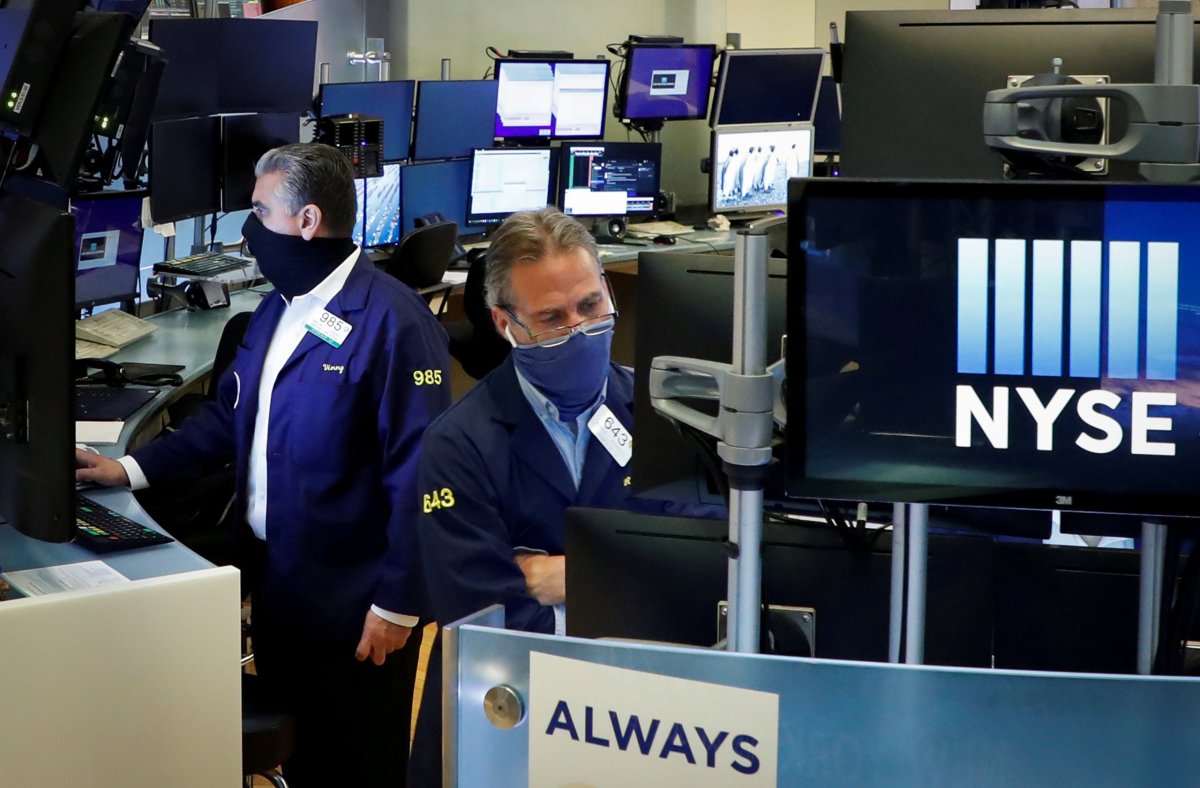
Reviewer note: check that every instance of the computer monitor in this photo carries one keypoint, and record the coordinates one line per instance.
(667, 82)
(914, 82)
(507, 180)
(360, 210)
(609, 178)
(108, 247)
(644, 577)
(768, 86)
(827, 125)
(454, 118)
(185, 171)
(382, 215)
(390, 101)
(1028, 345)
(234, 65)
(551, 99)
(244, 139)
(37, 467)
(441, 188)
(751, 165)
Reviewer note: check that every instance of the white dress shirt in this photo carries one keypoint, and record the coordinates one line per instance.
(289, 331)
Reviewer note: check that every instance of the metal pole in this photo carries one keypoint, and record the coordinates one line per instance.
(445, 68)
(1173, 43)
(914, 623)
(198, 243)
(1150, 585)
(745, 500)
(896, 622)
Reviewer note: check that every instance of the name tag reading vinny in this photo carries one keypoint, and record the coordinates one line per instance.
(612, 435)
(329, 327)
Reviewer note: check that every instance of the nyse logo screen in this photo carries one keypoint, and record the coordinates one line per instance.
(1031, 339)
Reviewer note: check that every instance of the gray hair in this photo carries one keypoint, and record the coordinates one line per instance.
(527, 237)
(314, 174)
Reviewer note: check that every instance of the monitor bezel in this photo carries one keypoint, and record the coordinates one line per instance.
(752, 128)
(553, 136)
(626, 72)
(722, 75)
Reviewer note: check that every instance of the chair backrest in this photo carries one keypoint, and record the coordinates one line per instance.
(423, 255)
(227, 347)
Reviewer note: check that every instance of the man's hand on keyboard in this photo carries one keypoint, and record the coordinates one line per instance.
(95, 468)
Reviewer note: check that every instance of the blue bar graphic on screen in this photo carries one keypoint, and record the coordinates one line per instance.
(1010, 306)
(1162, 309)
(1047, 307)
(1087, 315)
(1124, 288)
(1085, 309)
(972, 305)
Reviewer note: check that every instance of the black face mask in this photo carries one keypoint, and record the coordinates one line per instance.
(291, 263)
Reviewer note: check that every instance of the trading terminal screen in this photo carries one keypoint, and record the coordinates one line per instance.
(610, 179)
(508, 180)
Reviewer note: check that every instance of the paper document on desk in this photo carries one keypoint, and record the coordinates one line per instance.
(113, 327)
(659, 228)
(98, 431)
(67, 577)
(85, 349)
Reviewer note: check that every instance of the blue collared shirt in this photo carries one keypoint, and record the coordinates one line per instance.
(570, 438)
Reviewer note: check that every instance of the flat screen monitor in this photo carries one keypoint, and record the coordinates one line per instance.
(1029, 345)
(507, 180)
(661, 578)
(437, 188)
(667, 82)
(234, 65)
(185, 171)
(827, 125)
(768, 86)
(751, 165)
(914, 81)
(108, 246)
(454, 118)
(244, 139)
(381, 214)
(360, 209)
(609, 178)
(566, 99)
(37, 467)
(391, 101)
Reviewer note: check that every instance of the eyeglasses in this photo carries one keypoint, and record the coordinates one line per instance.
(592, 326)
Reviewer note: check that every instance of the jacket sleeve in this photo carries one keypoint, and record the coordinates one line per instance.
(203, 444)
(416, 388)
(466, 550)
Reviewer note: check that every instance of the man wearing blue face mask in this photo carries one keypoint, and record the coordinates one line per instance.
(321, 414)
(548, 429)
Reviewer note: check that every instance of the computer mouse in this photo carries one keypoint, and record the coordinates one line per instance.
(664, 240)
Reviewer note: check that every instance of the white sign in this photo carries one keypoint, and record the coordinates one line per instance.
(594, 726)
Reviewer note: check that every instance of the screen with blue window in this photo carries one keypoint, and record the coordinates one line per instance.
(668, 82)
(381, 218)
(439, 187)
(1008, 344)
(390, 101)
(454, 118)
(108, 246)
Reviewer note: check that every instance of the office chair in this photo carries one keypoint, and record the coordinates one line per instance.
(474, 342)
(421, 259)
(268, 736)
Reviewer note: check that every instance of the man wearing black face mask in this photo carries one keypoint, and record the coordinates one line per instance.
(321, 413)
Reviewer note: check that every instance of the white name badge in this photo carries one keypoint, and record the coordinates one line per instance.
(329, 327)
(612, 435)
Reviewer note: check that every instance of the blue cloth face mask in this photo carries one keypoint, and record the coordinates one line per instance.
(570, 375)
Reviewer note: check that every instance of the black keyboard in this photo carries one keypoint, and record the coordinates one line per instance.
(205, 264)
(102, 530)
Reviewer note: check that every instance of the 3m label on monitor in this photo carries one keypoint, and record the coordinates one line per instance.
(1026, 345)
